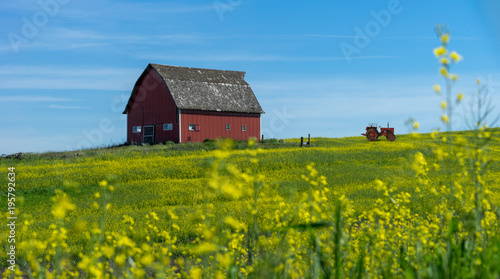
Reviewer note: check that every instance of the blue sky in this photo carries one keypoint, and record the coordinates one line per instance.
(326, 68)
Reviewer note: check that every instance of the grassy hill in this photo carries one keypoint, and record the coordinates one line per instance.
(192, 188)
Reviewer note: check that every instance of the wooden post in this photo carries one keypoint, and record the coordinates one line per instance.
(262, 140)
(309, 139)
(301, 141)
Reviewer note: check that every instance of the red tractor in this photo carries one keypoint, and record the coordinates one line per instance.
(372, 133)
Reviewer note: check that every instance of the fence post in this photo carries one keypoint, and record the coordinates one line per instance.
(301, 141)
(309, 139)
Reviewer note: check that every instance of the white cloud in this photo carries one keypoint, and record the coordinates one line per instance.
(52, 77)
(66, 107)
(56, 39)
(253, 57)
(17, 98)
(102, 83)
(63, 71)
(136, 10)
(332, 36)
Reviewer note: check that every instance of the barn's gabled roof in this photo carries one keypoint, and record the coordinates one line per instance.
(205, 89)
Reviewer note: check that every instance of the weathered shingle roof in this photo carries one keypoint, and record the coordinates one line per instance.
(206, 89)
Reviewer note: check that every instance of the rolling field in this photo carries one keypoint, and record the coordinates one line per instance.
(422, 206)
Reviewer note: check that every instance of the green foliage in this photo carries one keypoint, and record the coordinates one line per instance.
(165, 183)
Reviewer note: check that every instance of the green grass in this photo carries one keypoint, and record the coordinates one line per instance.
(346, 162)
(161, 177)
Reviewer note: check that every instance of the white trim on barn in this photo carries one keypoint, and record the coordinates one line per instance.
(180, 126)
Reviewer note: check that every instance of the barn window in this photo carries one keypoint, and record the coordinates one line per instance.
(228, 127)
(136, 129)
(243, 128)
(167, 127)
(194, 127)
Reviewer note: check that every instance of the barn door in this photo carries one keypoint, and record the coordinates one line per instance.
(149, 134)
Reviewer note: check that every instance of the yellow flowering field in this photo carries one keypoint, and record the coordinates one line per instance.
(423, 206)
(342, 207)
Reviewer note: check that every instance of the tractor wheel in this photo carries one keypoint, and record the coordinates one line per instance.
(391, 136)
(371, 134)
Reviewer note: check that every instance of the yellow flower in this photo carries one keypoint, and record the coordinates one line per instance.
(443, 71)
(439, 51)
(63, 205)
(419, 164)
(443, 105)
(445, 38)
(108, 251)
(154, 215)
(147, 260)
(172, 215)
(120, 259)
(445, 118)
(125, 241)
(379, 185)
(252, 141)
(138, 273)
(460, 96)
(205, 248)
(416, 125)
(444, 61)
(224, 260)
(84, 262)
(196, 273)
(232, 222)
(455, 56)
(437, 88)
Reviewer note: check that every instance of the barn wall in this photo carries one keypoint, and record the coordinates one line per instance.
(213, 125)
(152, 105)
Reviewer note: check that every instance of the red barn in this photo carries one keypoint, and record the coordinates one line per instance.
(179, 104)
